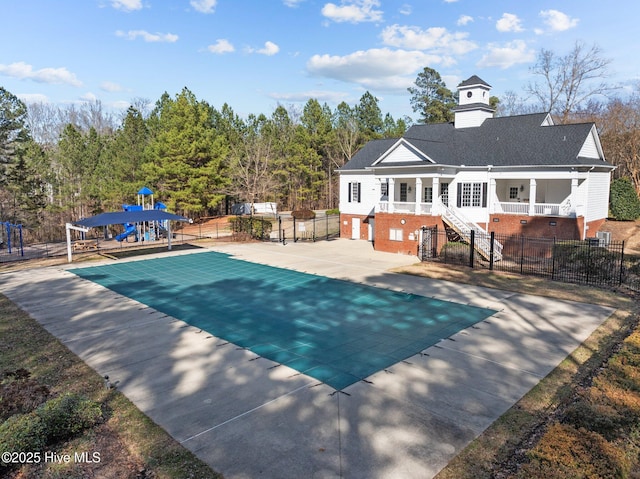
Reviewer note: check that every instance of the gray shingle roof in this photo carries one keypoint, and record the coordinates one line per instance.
(474, 80)
(503, 141)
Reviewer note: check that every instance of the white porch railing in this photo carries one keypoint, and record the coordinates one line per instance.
(404, 207)
(513, 208)
(539, 209)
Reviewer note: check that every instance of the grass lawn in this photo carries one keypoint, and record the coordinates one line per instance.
(132, 446)
(129, 445)
(510, 447)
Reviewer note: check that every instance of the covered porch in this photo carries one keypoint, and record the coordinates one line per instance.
(513, 196)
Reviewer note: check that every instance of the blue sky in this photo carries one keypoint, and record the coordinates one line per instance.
(256, 54)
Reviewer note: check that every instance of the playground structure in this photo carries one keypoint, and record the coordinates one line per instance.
(8, 232)
(146, 221)
(145, 231)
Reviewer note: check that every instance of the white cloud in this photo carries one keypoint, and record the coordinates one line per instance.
(148, 37)
(292, 3)
(31, 98)
(558, 21)
(464, 20)
(380, 68)
(406, 9)
(221, 46)
(269, 49)
(127, 5)
(509, 23)
(507, 55)
(89, 97)
(438, 39)
(353, 11)
(25, 71)
(110, 86)
(204, 6)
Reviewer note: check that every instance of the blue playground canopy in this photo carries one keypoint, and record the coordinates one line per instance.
(118, 217)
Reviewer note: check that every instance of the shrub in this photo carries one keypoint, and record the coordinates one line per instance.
(303, 214)
(333, 211)
(624, 202)
(67, 415)
(455, 252)
(257, 228)
(22, 433)
(586, 259)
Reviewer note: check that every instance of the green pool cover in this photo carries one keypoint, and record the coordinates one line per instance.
(335, 331)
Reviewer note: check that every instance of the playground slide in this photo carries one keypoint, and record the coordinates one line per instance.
(129, 229)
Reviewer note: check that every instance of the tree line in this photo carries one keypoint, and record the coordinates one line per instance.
(63, 163)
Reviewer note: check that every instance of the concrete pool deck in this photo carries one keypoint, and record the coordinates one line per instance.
(248, 417)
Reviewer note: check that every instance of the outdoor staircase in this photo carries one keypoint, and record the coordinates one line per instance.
(461, 225)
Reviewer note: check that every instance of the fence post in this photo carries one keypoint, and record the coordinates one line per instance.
(326, 223)
(280, 235)
(553, 259)
(491, 246)
(435, 243)
(295, 237)
(522, 254)
(472, 245)
(621, 265)
(314, 229)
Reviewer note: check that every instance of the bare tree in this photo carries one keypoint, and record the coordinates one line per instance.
(620, 135)
(569, 81)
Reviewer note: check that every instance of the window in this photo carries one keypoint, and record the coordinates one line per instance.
(472, 194)
(428, 194)
(476, 194)
(384, 189)
(444, 193)
(354, 192)
(395, 234)
(513, 193)
(403, 192)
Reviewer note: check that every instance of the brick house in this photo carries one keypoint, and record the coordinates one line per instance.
(516, 175)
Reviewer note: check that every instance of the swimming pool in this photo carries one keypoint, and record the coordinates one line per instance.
(335, 331)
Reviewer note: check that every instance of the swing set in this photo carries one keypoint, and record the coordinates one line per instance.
(11, 237)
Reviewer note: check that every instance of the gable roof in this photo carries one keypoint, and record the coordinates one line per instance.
(510, 141)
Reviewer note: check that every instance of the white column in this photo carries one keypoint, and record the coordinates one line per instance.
(418, 194)
(574, 197)
(392, 194)
(435, 209)
(532, 197)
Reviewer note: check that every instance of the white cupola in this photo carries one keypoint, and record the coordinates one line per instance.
(473, 103)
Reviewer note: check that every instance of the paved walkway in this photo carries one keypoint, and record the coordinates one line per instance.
(248, 417)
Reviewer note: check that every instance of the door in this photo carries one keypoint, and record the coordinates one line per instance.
(371, 231)
(355, 228)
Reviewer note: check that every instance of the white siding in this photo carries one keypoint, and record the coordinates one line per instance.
(400, 154)
(467, 119)
(598, 196)
(589, 149)
(369, 194)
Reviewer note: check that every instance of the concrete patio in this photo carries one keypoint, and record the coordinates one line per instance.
(248, 417)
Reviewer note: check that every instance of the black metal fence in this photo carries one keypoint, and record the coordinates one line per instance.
(283, 228)
(593, 261)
